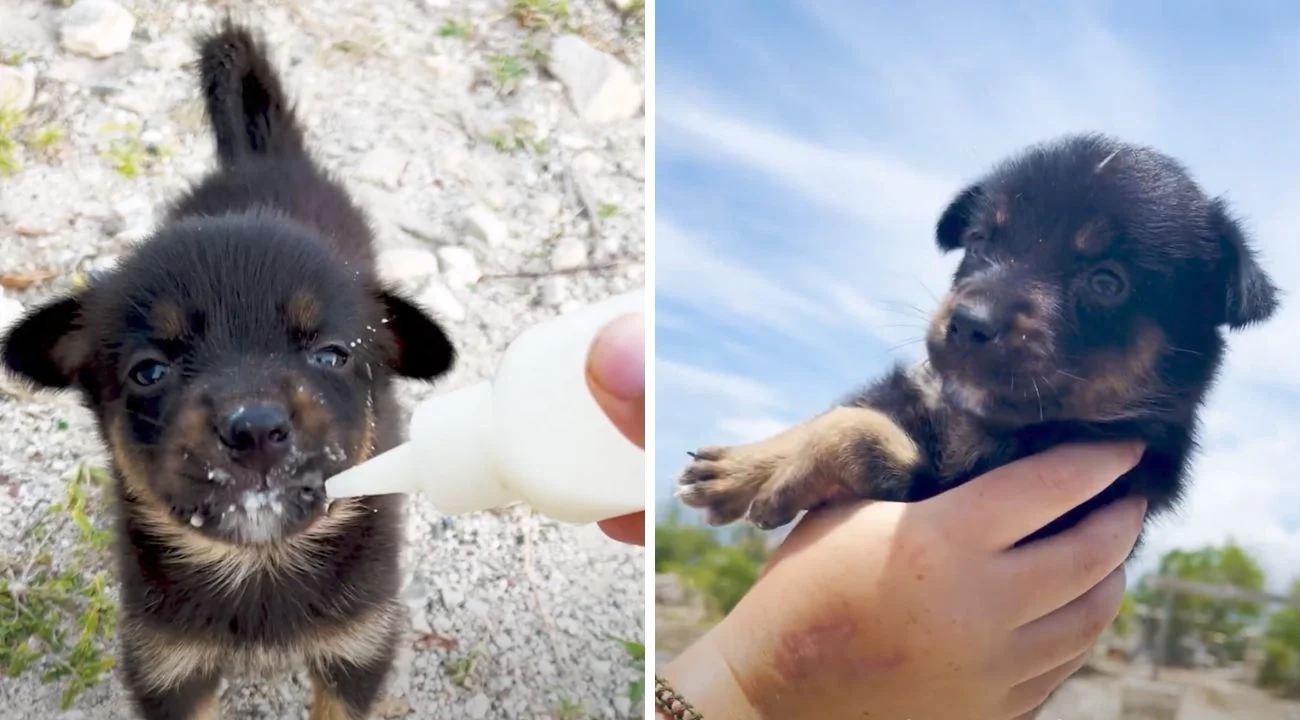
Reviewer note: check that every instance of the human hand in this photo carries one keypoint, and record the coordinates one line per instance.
(925, 611)
(616, 377)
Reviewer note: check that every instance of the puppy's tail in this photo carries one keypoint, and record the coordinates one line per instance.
(247, 107)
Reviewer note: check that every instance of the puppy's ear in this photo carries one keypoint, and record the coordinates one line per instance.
(1250, 295)
(952, 223)
(50, 345)
(421, 350)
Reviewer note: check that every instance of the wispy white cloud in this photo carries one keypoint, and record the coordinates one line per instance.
(717, 283)
(703, 383)
(747, 429)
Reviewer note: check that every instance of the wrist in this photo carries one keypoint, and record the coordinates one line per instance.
(703, 677)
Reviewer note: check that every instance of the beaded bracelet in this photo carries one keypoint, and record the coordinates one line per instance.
(669, 701)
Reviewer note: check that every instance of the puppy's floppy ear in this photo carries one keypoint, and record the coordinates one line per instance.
(1250, 295)
(50, 345)
(952, 223)
(421, 350)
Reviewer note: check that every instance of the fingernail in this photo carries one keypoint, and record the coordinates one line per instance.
(617, 358)
(1136, 451)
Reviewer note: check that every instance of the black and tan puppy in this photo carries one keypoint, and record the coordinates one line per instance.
(234, 361)
(1089, 304)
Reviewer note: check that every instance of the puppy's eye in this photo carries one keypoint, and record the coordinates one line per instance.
(330, 356)
(1106, 283)
(148, 372)
(976, 237)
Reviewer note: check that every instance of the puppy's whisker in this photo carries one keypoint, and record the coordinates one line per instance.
(902, 345)
(1184, 350)
(1041, 412)
(152, 421)
(1072, 377)
(926, 288)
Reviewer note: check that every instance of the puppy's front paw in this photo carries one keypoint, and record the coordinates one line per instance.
(846, 453)
(723, 481)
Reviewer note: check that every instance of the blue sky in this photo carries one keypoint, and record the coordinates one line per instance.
(805, 149)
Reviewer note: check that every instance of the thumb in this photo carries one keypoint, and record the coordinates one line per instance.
(616, 374)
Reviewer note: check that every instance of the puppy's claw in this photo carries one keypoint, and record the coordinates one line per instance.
(706, 454)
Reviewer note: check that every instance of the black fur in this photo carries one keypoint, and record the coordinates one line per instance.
(215, 302)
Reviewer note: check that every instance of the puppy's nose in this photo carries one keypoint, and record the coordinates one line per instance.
(971, 326)
(257, 435)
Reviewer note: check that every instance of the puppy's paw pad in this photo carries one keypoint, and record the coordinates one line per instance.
(722, 505)
(769, 511)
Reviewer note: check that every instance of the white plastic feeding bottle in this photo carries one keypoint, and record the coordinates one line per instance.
(534, 433)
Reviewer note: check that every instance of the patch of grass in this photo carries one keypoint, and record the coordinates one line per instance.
(607, 210)
(47, 141)
(634, 19)
(13, 58)
(534, 52)
(508, 71)
(501, 140)
(464, 670)
(569, 709)
(520, 134)
(63, 3)
(459, 29)
(636, 660)
(9, 121)
(58, 619)
(128, 155)
(361, 46)
(540, 14)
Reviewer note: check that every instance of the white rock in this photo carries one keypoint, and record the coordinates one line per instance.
(554, 291)
(459, 267)
(17, 87)
(451, 75)
(420, 619)
(600, 87)
(452, 597)
(408, 268)
(383, 166)
(442, 624)
(548, 206)
(568, 253)
(400, 685)
(439, 300)
(141, 102)
(130, 220)
(477, 607)
(478, 706)
(422, 228)
(482, 224)
(588, 163)
(10, 311)
(96, 28)
(166, 54)
(622, 706)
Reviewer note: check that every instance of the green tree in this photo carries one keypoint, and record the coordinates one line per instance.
(1280, 670)
(1217, 624)
(721, 567)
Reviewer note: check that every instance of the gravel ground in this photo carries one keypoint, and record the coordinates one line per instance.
(503, 193)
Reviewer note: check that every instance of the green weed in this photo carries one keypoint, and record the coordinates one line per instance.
(59, 620)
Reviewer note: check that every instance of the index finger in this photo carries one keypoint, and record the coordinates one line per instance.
(1002, 506)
